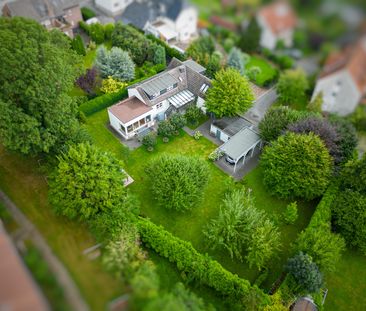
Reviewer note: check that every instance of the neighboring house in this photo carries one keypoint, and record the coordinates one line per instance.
(277, 21)
(18, 291)
(173, 90)
(112, 7)
(64, 15)
(173, 21)
(343, 79)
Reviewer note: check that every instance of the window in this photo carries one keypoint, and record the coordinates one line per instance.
(158, 106)
(129, 128)
(169, 88)
(204, 88)
(175, 85)
(148, 118)
(142, 122)
(122, 128)
(135, 125)
(163, 91)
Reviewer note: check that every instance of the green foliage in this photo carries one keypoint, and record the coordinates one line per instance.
(201, 49)
(316, 104)
(193, 114)
(37, 71)
(290, 214)
(86, 182)
(196, 265)
(101, 102)
(197, 135)
(123, 256)
(214, 65)
(249, 39)
(358, 118)
(241, 227)
(157, 54)
(130, 39)
(292, 86)
(148, 69)
(235, 60)
(178, 120)
(111, 85)
(108, 30)
(229, 94)
(87, 13)
(276, 120)
(78, 45)
(297, 166)
(169, 51)
(115, 63)
(165, 128)
(96, 32)
(305, 272)
(177, 181)
(149, 140)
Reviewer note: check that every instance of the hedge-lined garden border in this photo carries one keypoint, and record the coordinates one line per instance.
(201, 267)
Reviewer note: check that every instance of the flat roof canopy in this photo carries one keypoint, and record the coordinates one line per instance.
(239, 145)
(181, 98)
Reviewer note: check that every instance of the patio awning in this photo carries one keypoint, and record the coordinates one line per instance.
(181, 98)
(240, 144)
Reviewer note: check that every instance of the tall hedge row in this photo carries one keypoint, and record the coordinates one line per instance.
(200, 267)
(171, 52)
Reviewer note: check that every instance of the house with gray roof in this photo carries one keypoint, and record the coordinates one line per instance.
(64, 15)
(173, 21)
(172, 91)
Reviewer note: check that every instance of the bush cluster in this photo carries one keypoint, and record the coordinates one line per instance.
(196, 265)
(87, 13)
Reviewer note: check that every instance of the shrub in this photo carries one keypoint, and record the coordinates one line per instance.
(229, 94)
(235, 60)
(316, 104)
(193, 114)
(96, 32)
(178, 120)
(149, 140)
(88, 82)
(78, 45)
(196, 265)
(115, 63)
(197, 135)
(157, 54)
(249, 40)
(297, 166)
(214, 64)
(305, 272)
(108, 30)
(87, 13)
(290, 214)
(111, 85)
(169, 51)
(253, 72)
(215, 155)
(101, 102)
(177, 182)
(86, 182)
(292, 86)
(165, 128)
(201, 49)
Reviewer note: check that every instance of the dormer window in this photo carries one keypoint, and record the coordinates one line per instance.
(204, 88)
(180, 79)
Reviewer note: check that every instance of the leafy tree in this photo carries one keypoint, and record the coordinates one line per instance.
(235, 60)
(297, 166)
(230, 94)
(96, 32)
(241, 227)
(157, 54)
(124, 256)
(177, 182)
(37, 71)
(290, 214)
(178, 120)
(249, 39)
(322, 245)
(193, 114)
(165, 128)
(214, 64)
(316, 104)
(130, 39)
(325, 131)
(276, 120)
(305, 272)
(116, 64)
(88, 82)
(111, 85)
(201, 49)
(292, 86)
(86, 182)
(347, 137)
(78, 45)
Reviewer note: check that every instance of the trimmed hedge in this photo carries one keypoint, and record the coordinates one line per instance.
(171, 52)
(200, 267)
(101, 102)
(87, 13)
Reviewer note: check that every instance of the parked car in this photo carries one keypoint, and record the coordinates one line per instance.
(229, 160)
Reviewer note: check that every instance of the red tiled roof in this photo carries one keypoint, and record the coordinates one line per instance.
(218, 21)
(129, 109)
(279, 16)
(352, 59)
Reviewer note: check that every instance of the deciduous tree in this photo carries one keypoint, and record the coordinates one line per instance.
(292, 86)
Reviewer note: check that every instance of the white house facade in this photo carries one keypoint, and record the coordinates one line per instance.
(155, 99)
(112, 7)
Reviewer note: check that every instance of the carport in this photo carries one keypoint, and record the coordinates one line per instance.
(238, 146)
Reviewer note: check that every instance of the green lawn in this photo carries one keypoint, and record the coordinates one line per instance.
(347, 285)
(188, 226)
(21, 180)
(268, 72)
(361, 143)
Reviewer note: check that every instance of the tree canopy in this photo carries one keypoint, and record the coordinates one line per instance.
(249, 39)
(177, 182)
(229, 94)
(38, 68)
(86, 182)
(292, 86)
(297, 166)
(201, 49)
